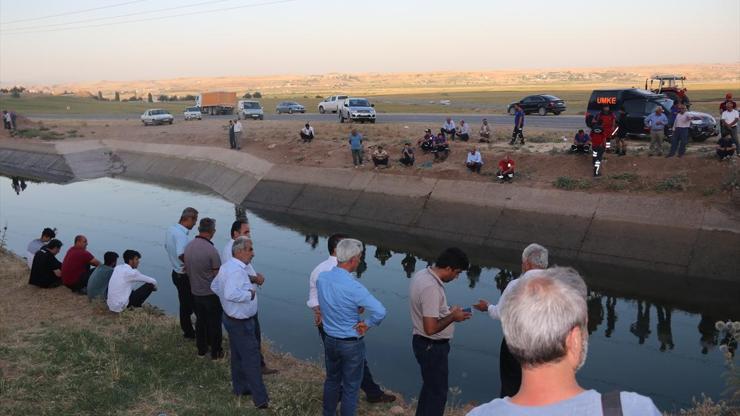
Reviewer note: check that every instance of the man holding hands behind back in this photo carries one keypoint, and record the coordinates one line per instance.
(343, 300)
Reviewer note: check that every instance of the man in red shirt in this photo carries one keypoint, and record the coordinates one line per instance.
(607, 120)
(76, 265)
(598, 145)
(505, 168)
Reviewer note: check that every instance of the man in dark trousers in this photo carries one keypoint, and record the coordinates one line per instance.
(598, 146)
(232, 135)
(433, 322)
(518, 125)
(175, 241)
(533, 257)
(202, 263)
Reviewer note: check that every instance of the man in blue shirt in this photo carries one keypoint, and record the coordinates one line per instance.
(343, 300)
(175, 241)
(518, 124)
(656, 122)
(581, 143)
(355, 145)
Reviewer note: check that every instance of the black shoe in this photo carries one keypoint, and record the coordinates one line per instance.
(512, 142)
(189, 336)
(383, 398)
(217, 356)
(522, 142)
(263, 406)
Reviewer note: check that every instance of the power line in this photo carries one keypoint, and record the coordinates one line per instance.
(267, 3)
(110, 6)
(28, 28)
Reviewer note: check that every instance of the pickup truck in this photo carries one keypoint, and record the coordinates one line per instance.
(357, 109)
(331, 104)
(156, 116)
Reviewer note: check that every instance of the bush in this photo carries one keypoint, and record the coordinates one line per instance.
(673, 183)
(569, 184)
(247, 95)
(257, 94)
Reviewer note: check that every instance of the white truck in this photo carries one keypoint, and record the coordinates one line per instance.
(357, 110)
(331, 104)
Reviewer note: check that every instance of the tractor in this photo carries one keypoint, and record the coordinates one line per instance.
(670, 85)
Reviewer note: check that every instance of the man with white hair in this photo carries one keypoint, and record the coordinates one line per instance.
(343, 300)
(237, 292)
(534, 257)
(544, 317)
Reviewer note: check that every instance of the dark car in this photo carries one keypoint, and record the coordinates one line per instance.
(540, 104)
(290, 107)
(638, 104)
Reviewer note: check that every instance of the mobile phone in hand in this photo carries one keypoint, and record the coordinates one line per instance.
(468, 310)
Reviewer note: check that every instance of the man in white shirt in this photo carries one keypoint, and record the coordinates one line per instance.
(729, 122)
(307, 133)
(449, 128)
(238, 296)
(35, 245)
(534, 257)
(373, 392)
(238, 134)
(681, 125)
(544, 317)
(474, 161)
(463, 131)
(120, 287)
(240, 228)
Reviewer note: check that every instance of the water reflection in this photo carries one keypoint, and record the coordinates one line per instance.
(503, 277)
(18, 184)
(382, 254)
(409, 265)
(312, 240)
(473, 273)
(641, 327)
(611, 315)
(595, 311)
(665, 335)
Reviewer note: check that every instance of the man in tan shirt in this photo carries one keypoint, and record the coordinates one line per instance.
(433, 322)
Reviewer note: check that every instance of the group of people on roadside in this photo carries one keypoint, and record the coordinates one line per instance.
(83, 274)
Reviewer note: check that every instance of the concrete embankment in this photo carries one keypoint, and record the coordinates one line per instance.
(655, 233)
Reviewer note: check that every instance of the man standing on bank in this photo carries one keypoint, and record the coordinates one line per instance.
(373, 392)
(175, 241)
(240, 228)
(433, 326)
(534, 257)
(343, 300)
(201, 265)
(238, 297)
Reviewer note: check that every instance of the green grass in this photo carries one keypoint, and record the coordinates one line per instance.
(477, 102)
(673, 183)
(569, 184)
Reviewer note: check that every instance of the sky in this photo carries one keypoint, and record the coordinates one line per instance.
(144, 39)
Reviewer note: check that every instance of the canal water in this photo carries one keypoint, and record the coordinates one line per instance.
(661, 349)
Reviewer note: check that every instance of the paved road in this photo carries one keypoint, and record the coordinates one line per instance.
(564, 122)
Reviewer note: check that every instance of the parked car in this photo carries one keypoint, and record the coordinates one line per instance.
(704, 127)
(357, 109)
(156, 116)
(192, 113)
(331, 104)
(290, 107)
(540, 104)
(251, 109)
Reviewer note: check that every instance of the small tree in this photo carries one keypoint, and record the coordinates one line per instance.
(188, 97)
(100, 95)
(149, 98)
(174, 98)
(257, 94)
(163, 98)
(117, 97)
(133, 98)
(247, 95)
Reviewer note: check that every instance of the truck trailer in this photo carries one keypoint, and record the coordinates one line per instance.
(216, 103)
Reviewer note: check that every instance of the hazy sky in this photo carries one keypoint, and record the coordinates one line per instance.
(318, 36)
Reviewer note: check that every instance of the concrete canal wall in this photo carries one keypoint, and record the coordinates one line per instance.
(663, 234)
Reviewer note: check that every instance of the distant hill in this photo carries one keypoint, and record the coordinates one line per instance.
(408, 82)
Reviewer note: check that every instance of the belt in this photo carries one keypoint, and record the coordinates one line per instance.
(345, 339)
(433, 341)
(239, 319)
